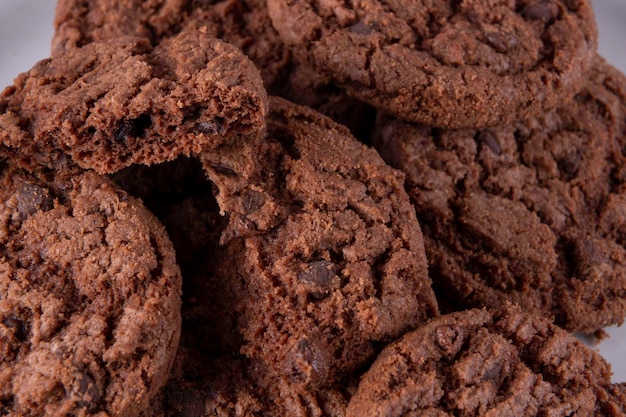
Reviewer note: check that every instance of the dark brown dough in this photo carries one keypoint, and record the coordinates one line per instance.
(111, 104)
(478, 363)
(531, 212)
(470, 63)
(210, 377)
(89, 297)
(331, 251)
(242, 23)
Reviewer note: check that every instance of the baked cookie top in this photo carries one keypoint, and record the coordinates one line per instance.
(242, 23)
(89, 297)
(119, 102)
(480, 363)
(469, 63)
(530, 212)
(209, 376)
(332, 254)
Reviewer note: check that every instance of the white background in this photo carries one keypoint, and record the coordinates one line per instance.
(26, 30)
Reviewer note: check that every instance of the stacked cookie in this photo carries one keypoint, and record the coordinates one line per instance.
(297, 249)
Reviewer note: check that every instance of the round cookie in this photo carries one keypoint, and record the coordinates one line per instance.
(530, 212)
(89, 297)
(209, 377)
(332, 254)
(472, 63)
(480, 363)
(111, 104)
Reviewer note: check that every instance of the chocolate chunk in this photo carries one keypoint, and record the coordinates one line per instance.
(544, 11)
(488, 138)
(32, 198)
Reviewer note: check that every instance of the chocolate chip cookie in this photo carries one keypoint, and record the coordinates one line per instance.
(243, 23)
(210, 377)
(530, 212)
(471, 63)
(331, 251)
(111, 104)
(480, 363)
(89, 297)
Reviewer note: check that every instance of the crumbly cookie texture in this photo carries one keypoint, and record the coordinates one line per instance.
(332, 254)
(243, 23)
(470, 63)
(119, 102)
(478, 363)
(209, 376)
(89, 297)
(530, 212)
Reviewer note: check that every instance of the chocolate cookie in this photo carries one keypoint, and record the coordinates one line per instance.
(243, 23)
(210, 377)
(450, 64)
(220, 387)
(530, 212)
(89, 297)
(111, 104)
(477, 363)
(332, 252)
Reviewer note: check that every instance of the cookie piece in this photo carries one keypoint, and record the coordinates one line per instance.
(243, 23)
(450, 64)
(89, 297)
(480, 363)
(111, 104)
(530, 212)
(333, 255)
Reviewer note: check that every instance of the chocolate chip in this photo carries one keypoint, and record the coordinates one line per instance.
(320, 273)
(88, 391)
(135, 128)
(253, 201)
(21, 331)
(223, 169)
(543, 11)
(501, 42)
(6, 405)
(588, 256)
(32, 198)
(570, 164)
(488, 138)
(309, 362)
(362, 28)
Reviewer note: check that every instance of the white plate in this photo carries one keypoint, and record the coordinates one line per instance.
(26, 30)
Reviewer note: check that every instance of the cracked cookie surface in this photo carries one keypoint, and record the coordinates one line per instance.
(89, 297)
(530, 212)
(112, 104)
(469, 63)
(331, 251)
(242, 23)
(478, 363)
(209, 376)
